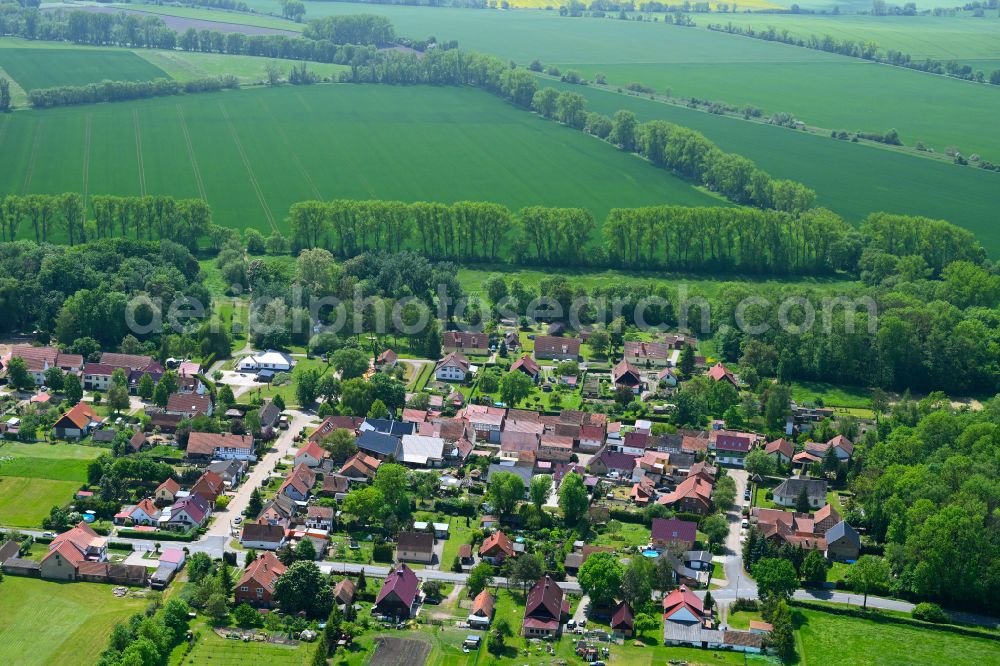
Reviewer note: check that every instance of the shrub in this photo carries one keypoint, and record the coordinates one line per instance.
(929, 612)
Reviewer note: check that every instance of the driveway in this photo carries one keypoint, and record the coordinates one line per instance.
(222, 525)
(732, 562)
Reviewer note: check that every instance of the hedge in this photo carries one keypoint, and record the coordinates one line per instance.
(157, 536)
(120, 545)
(893, 619)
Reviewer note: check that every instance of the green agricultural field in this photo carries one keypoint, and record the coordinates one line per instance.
(45, 622)
(241, 152)
(44, 68)
(24, 501)
(851, 179)
(878, 97)
(184, 66)
(963, 37)
(824, 638)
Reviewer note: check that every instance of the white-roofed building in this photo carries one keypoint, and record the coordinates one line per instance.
(423, 451)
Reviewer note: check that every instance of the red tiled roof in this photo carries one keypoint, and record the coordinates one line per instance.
(187, 403)
(682, 598)
(526, 364)
(497, 540)
(547, 344)
(264, 570)
(482, 605)
(205, 443)
(81, 415)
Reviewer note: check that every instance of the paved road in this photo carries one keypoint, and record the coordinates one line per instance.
(283, 446)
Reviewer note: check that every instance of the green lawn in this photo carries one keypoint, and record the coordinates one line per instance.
(44, 68)
(211, 649)
(58, 462)
(44, 622)
(824, 638)
(832, 395)
(184, 65)
(622, 535)
(408, 143)
(36, 477)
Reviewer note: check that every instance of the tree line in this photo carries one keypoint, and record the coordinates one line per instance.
(164, 217)
(866, 50)
(121, 91)
(131, 30)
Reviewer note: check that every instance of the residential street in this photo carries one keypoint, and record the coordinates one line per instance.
(222, 525)
(732, 561)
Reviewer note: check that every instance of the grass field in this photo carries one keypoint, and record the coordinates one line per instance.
(434, 144)
(211, 649)
(184, 66)
(44, 68)
(824, 638)
(36, 477)
(851, 179)
(44, 622)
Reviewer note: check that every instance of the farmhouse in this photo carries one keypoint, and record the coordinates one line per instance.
(319, 517)
(379, 445)
(781, 450)
(256, 585)
(496, 548)
(647, 353)
(544, 609)
(788, 491)
(40, 359)
(557, 349)
(452, 368)
(224, 446)
(461, 341)
(360, 467)
(398, 595)
(842, 542)
(77, 422)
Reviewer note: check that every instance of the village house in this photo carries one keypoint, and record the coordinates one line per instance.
(481, 613)
(166, 492)
(528, 366)
(262, 536)
(278, 511)
(256, 585)
(386, 361)
(267, 363)
(143, 513)
(360, 467)
(77, 422)
(673, 534)
(336, 486)
(208, 487)
(399, 593)
(310, 455)
(319, 517)
(788, 491)
(486, 421)
(344, 592)
(544, 609)
(220, 446)
(189, 512)
(612, 463)
(331, 423)
(731, 448)
(842, 447)
(231, 471)
(720, 373)
(496, 548)
(469, 343)
(298, 484)
(69, 549)
(452, 368)
(625, 377)
(842, 542)
(553, 448)
(97, 376)
(39, 359)
(656, 354)
(551, 348)
(781, 450)
(415, 547)
(623, 620)
(189, 405)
